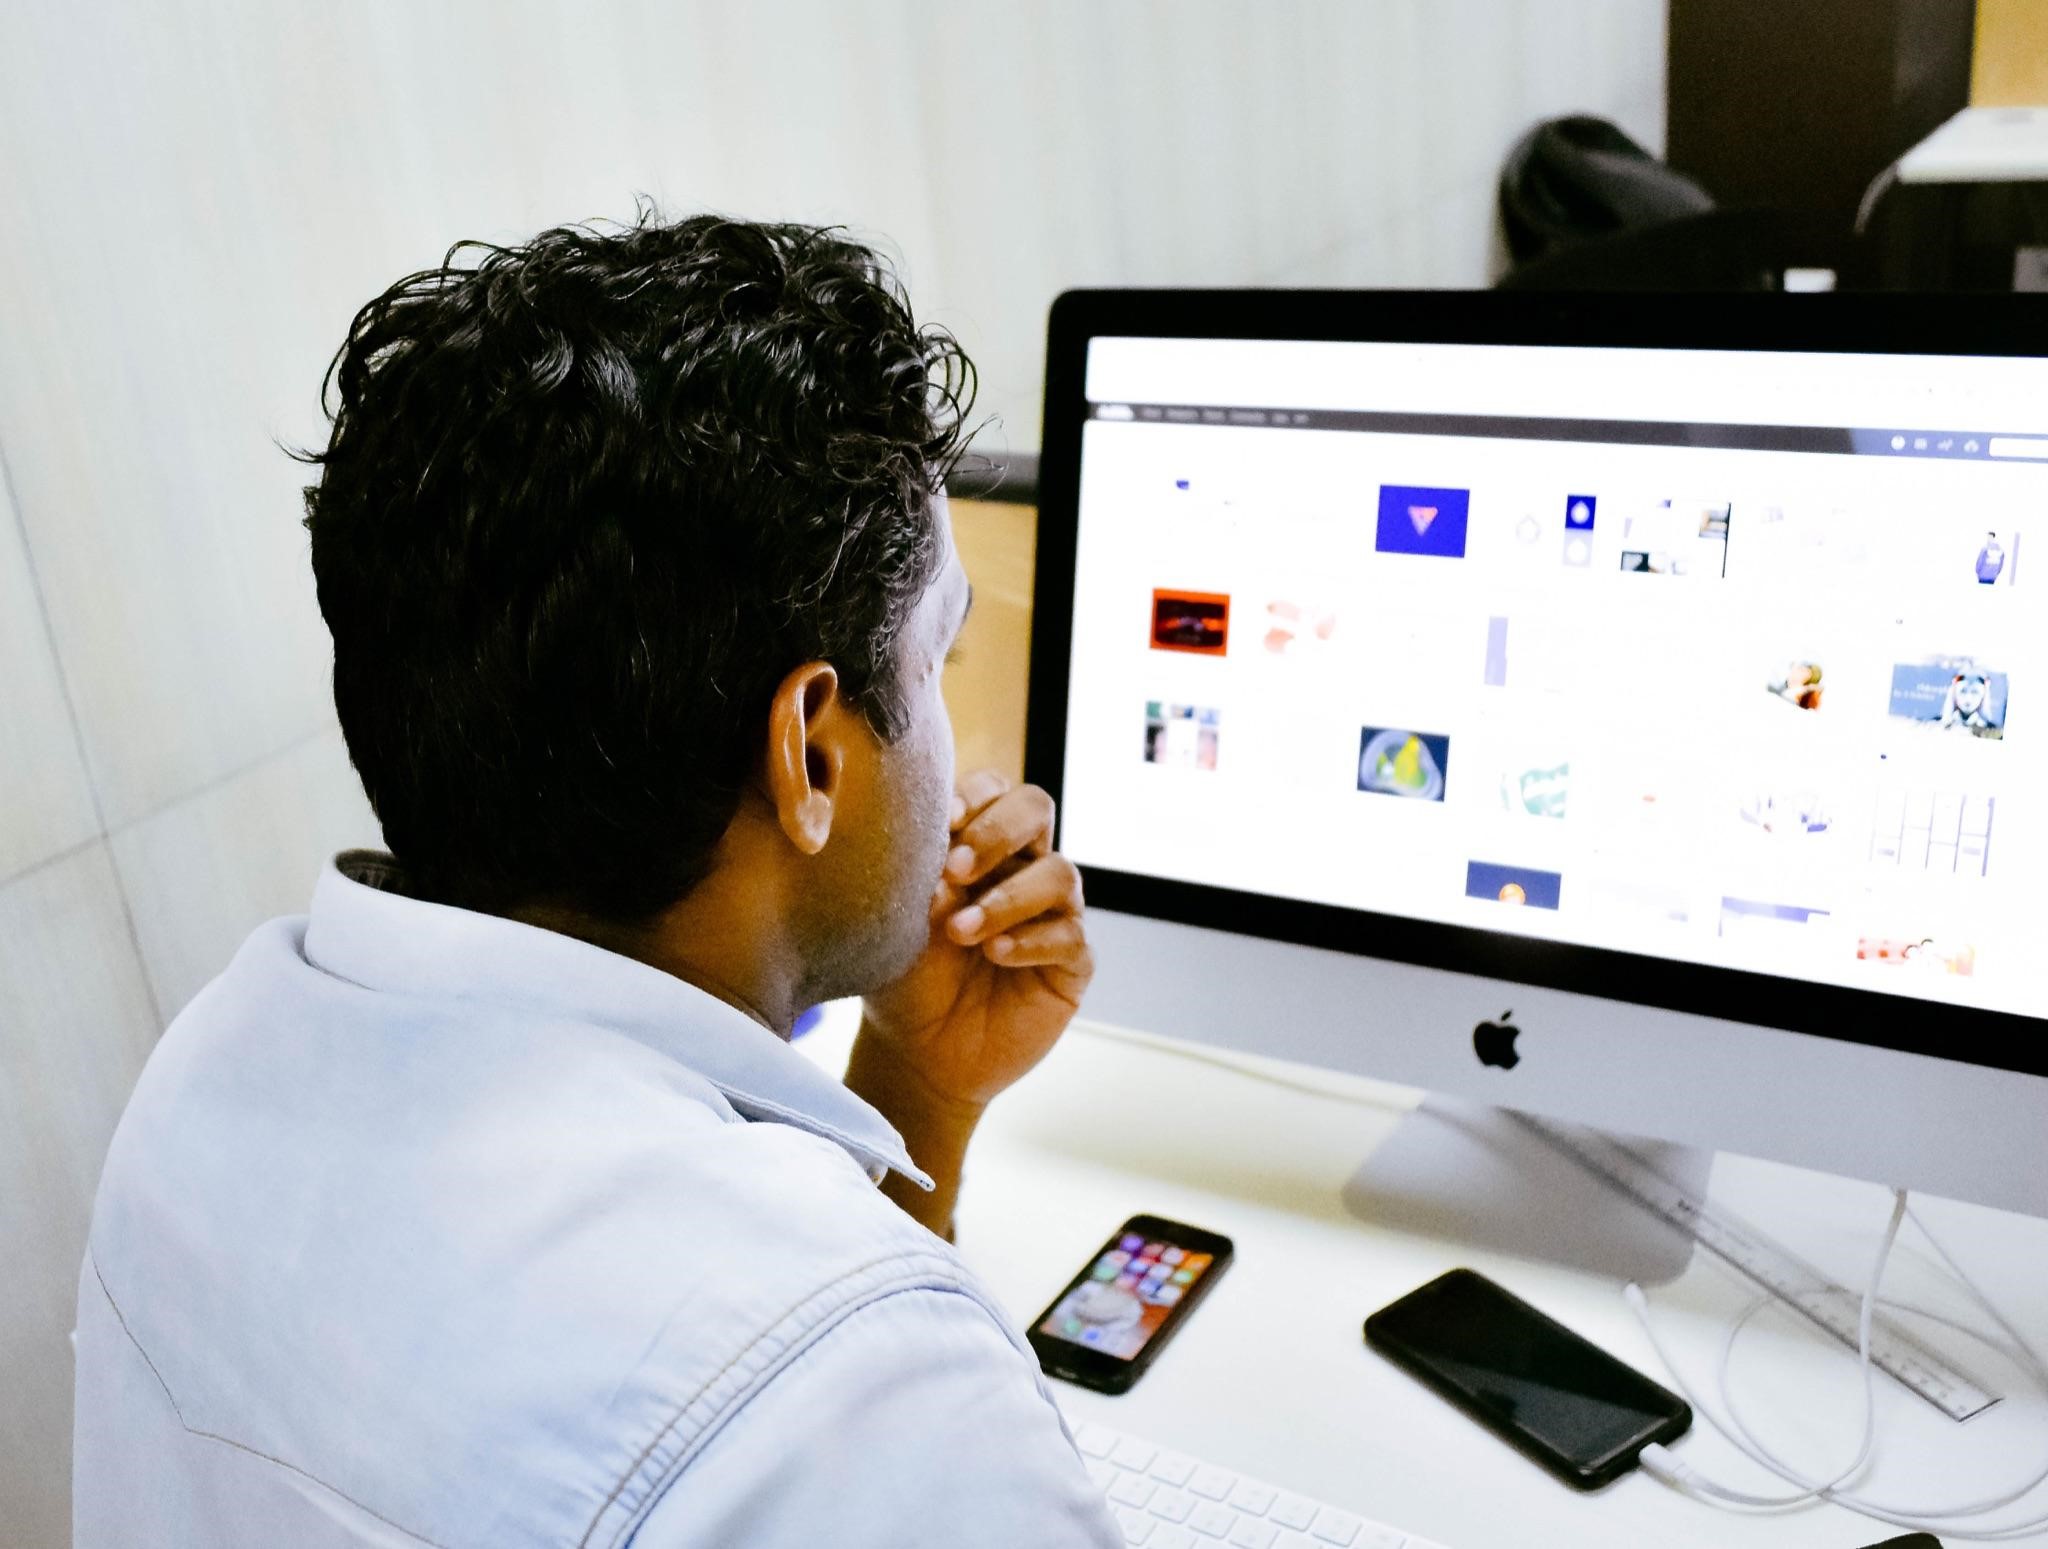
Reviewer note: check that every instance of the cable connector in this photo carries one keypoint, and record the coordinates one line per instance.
(1660, 1462)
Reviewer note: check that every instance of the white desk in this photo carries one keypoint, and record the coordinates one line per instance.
(1272, 1377)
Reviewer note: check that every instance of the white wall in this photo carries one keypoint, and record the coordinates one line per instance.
(194, 198)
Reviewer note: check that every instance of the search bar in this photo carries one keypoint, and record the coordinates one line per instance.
(2019, 446)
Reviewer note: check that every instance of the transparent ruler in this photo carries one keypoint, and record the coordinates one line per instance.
(1775, 1268)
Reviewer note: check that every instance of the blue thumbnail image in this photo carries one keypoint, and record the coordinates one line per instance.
(1951, 694)
(1393, 761)
(1579, 511)
(1415, 519)
(1513, 884)
(1757, 909)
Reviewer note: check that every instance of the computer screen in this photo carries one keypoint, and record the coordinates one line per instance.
(1707, 677)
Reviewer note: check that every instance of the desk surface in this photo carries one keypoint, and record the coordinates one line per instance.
(1272, 1377)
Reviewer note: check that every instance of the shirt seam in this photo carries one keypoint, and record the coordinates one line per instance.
(925, 1272)
(228, 1441)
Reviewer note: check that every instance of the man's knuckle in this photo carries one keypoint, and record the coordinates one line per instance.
(1070, 880)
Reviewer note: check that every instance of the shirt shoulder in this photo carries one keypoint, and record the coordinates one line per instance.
(551, 1259)
(913, 1422)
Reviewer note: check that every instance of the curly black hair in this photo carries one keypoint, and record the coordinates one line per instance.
(585, 503)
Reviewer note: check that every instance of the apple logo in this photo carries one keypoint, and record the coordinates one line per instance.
(1494, 1042)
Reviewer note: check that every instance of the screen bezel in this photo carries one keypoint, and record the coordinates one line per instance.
(1388, 1331)
(1985, 325)
(1070, 1362)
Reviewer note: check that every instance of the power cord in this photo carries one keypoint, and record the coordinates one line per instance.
(1867, 205)
(1663, 1464)
(1242, 1067)
(1952, 1520)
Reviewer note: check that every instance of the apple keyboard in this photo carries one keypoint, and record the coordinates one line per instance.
(1164, 1499)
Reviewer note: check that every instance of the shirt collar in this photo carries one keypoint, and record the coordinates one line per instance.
(366, 930)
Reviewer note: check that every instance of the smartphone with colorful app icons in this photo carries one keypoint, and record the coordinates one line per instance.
(1110, 1323)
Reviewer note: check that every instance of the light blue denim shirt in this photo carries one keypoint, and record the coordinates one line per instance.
(427, 1227)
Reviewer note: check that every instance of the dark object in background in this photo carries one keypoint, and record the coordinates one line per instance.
(1798, 106)
(1960, 236)
(1009, 477)
(1722, 250)
(1586, 208)
(1573, 180)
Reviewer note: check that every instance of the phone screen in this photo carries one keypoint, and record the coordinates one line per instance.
(1126, 1295)
(1560, 1398)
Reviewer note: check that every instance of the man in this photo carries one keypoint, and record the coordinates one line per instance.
(488, 1205)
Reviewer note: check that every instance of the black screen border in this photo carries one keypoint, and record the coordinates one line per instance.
(1965, 325)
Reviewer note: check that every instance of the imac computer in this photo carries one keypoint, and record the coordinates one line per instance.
(1628, 710)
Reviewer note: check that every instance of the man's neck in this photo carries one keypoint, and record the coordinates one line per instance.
(725, 938)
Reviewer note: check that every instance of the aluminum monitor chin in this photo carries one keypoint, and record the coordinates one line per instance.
(1664, 678)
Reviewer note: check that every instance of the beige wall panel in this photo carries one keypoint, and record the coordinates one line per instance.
(2009, 66)
(206, 872)
(986, 686)
(76, 1024)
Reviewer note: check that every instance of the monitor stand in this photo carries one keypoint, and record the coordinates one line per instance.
(1470, 1173)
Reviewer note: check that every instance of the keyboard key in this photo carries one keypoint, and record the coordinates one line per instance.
(1162, 1499)
(1336, 1527)
(1133, 1454)
(1136, 1525)
(1293, 1511)
(1132, 1490)
(1251, 1496)
(1173, 1467)
(1212, 1519)
(1095, 1441)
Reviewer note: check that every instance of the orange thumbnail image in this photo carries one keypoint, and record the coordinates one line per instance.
(1191, 621)
(1926, 952)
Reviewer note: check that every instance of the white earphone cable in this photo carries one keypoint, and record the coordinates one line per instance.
(1951, 1520)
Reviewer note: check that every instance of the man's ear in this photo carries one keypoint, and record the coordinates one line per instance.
(807, 731)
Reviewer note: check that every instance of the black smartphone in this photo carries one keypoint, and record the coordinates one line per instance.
(1110, 1323)
(1564, 1402)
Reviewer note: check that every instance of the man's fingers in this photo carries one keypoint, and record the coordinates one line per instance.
(974, 791)
(1018, 822)
(1048, 885)
(1061, 942)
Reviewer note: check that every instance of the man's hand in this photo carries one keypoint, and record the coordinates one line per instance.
(1008, 958)
(998, 982)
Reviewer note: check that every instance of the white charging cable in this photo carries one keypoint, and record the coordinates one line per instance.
(1660, 1462)
(1952, 1520)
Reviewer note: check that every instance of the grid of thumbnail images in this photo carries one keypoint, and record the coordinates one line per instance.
(1923, 828)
